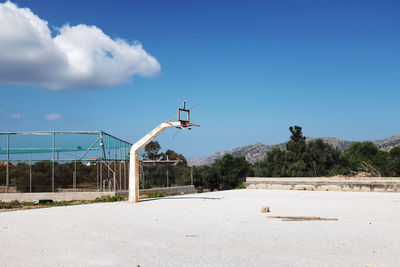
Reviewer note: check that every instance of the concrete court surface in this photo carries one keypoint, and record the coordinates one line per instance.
(223, 228)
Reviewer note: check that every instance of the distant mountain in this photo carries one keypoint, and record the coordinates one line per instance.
(256, 152)
(388, 143)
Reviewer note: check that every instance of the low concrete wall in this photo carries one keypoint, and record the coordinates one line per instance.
(60, 196)
(364, 184)
(187, 189)
(68, 196)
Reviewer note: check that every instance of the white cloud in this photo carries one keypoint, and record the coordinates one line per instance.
(52, 117)
(16, 116)
(79, 56)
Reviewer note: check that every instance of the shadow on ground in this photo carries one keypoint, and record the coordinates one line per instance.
(166, 198)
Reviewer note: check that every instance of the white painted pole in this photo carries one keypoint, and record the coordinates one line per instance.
(134, 174)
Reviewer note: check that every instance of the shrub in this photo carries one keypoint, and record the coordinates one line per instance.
(109, 198)
(157, 194)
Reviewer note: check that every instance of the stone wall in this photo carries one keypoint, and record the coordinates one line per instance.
(364, 184)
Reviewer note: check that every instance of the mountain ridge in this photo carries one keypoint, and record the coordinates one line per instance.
(256, 152)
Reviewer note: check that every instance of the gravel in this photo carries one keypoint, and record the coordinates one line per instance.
(225, 228)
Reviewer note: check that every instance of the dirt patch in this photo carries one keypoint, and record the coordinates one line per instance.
(363, 174)
(11, 189)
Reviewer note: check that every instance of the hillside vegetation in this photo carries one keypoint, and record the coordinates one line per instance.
(256, 152)
(298, 157)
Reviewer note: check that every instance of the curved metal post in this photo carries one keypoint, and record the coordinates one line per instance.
(134, 175)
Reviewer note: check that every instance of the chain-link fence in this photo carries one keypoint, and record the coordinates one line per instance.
(63, 161)
(165, 175)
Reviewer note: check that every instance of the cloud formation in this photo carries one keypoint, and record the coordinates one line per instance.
(16, 115)
(52, 117)
(78, 56)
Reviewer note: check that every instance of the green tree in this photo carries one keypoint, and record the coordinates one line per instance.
(293, 163)
(200, 175)
(230, 171)
(151, 150)
(2, 175)
(172, 155)
(41, 177)
(395, 152)
(294, 158)
(322, 159)
(63, 178)
(297, 142)
(365, 156)
(212, 180)
(301, 159)
(395, 155)
(273, 164)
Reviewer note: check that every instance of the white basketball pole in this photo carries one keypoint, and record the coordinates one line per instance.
(134, 157)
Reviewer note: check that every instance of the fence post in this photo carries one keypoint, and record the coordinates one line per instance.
(191, 175)
(74, 176)
(124, 166)
(115, 166)
(108, 162)
(52, 163)
(120, 167)
(8, 162)
(101, 162)
(101, 176)
(30, 175)
(115, 184)
(167, 178)
(97, 174)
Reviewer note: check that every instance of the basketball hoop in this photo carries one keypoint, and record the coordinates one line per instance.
(134, 174)
(184, 117)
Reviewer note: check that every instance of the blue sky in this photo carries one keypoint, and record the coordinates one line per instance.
(255, 67)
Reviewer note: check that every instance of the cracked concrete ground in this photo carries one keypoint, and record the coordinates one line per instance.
(223, 228)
